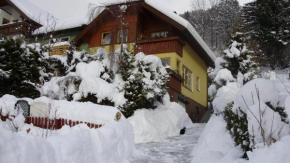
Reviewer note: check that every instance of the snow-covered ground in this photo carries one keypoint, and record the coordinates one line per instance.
(172, 150)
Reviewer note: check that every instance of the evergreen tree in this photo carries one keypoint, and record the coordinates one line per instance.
(238, 59)
(22, 69)
(135, 93)
(267, 22)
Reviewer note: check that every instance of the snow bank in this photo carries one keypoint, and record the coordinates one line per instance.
(76, 111)
(225, 95)
(278, 153)
(23, 148)
(273, 126)
(156, 125)
(248, 95)
(215, 144)
(109, 144)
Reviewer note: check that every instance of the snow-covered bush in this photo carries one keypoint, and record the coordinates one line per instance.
(145, 81)
(267, 120)
(22, 68)
(127, 83)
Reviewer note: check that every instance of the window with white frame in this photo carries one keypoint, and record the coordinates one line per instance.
(197, 83)
(64, 39)
(123, 35)
(106, 38)
(187, 76)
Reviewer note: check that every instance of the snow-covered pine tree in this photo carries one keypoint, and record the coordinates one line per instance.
(267, 22)
(22, 68)
(238, 59)
(135, 94)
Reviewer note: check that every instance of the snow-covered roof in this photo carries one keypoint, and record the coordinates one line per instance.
(184, 23)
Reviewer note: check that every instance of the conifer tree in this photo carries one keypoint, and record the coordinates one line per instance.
(238, 59)
(22, 69)
(267, 22)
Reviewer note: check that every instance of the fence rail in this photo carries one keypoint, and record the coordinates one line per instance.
(53, 124)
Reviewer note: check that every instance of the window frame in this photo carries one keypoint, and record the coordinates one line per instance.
(64, 38)
(102, 38)
(198, 83)
(178, 63)
(165, 59)
(187, 75)
(119, 38)
(154, 34)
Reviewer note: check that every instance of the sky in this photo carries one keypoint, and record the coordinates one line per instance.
(180, 6)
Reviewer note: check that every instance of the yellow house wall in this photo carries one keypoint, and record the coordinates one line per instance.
(198, 68)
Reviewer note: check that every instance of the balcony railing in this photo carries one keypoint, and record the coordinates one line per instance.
(161, 45)
(14, 28)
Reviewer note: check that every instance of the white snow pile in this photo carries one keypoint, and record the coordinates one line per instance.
(225, 95)
(267, 129)
(109, 144)
(156, 125)
(223, 75)
(215, 144)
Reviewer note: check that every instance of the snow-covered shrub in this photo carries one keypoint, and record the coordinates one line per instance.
(145, 81)
(237, 124)
(22, 68)
(135, 84)
(239, 59)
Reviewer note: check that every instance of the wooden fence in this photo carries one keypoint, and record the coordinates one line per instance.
(53, 124)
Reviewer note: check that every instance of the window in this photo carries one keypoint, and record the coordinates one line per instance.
(106, 38)
(161, 34)
(187, 76)
(124, 35)
(5, 21)
(197, 83)
(63, 39)
(165, 62)
(177, 66)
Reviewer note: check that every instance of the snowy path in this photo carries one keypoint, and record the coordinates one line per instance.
(174, 150)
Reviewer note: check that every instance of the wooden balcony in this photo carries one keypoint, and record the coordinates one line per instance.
(161, 45)
(16, 28)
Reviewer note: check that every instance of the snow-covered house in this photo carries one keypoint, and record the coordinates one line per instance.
(15, 18)
(148, 27)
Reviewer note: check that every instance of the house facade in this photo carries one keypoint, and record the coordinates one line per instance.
(147, 28)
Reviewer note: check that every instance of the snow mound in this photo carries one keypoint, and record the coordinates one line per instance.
(278, 153)
(111, 143)
(156, 125)
(225, 95)
(248, 95)
(215, 144)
